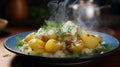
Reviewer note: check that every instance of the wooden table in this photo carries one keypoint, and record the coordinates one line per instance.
(9, 59)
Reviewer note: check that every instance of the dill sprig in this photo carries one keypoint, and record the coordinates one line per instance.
(51, 24)
(61, 34)
(19, 42)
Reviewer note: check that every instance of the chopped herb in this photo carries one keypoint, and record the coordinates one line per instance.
(39, 54)
(105, 48)
(61, 35)
(6, 55)
(51, 24)
(26, 47)
(78, 54)
(19, 42)
(44, 27)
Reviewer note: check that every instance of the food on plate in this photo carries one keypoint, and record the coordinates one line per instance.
(90, 40)
(36, 44)
(52, 45)
(29, 37)
(62, 40)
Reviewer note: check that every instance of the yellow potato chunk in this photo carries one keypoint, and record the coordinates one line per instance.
(52, 45)
(29, 37)
(36, 44)
(90, 40)
(77, 47)
(47, 37)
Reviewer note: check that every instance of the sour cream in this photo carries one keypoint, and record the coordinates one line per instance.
(41, 32)
(70, 28)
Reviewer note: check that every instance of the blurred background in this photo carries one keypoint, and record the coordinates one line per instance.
(38, 11)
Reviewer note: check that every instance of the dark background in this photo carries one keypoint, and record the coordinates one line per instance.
(30, 3)
(114, 10)
(115, 6)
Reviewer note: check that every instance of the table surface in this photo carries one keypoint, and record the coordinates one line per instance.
(9, 59)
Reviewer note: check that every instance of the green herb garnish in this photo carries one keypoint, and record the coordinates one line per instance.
(39, 54)
(6, 55)
(105, 48)
(19, 42)
(61, 35)
(26, 47)
(78, 54)
(51, 24)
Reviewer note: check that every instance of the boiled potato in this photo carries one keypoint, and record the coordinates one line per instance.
(52, 45)
(36, 44)
(90, 40)
(29, 37)
(47, 37)
(77, 47)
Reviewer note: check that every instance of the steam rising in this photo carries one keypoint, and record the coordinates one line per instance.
(60, 10)
(65, 10)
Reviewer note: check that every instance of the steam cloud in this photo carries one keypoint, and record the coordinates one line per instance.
(63, 12)
(61, 9)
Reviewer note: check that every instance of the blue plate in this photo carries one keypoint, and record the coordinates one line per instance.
(11, 41)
